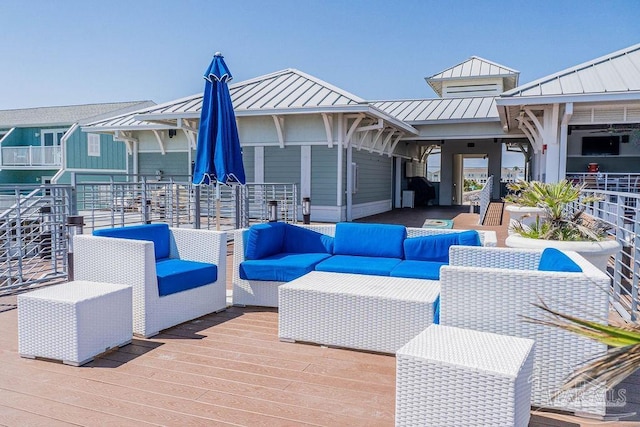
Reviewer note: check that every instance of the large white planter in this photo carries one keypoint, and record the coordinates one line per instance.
(525, 215)
(597, 253)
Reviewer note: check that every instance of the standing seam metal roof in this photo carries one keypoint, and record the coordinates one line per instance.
(616, 72)
(425, 110)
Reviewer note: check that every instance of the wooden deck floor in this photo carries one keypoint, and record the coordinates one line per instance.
(222, 369)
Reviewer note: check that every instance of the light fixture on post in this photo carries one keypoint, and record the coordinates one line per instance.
(45, 232)
(74, 227)
(273, 210)
(306, 210)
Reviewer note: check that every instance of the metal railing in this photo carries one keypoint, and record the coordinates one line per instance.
(112, 202)
(33, 235)
(621, 212)
(33, 223)
(32, 156)
(621, 182)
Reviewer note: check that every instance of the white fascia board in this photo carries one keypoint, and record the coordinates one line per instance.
(111, 129)
(455, 121)
(575, 98)
(399, 124)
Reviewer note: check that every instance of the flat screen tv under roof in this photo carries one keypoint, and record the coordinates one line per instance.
(601, 145)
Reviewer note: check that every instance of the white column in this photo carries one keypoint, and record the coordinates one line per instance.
(349, 182)
(564, 132)
(396, 182)
(339, 186)
(550, 140)
(305, 171)
(258, 165)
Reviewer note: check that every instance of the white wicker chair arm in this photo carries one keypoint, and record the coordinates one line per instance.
(478, 256)
(113, 260)
(199, 245)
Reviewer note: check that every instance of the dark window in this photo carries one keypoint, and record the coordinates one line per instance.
(601, 145)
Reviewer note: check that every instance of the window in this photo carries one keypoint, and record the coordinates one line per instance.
(93, 145)
(51, 137)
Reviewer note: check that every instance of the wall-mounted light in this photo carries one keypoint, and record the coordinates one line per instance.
(159, 174)
(37, 134)
(172, 133)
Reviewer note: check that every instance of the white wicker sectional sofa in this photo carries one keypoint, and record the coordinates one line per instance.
(265, 292)
(493, 289)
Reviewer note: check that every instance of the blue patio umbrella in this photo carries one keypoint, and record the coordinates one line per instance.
(218, 153)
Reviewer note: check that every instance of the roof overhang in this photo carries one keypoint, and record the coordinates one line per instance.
(168, 119)
(509, 107)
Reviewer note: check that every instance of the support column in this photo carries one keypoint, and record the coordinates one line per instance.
(349, 183)
(305, 171)
(550, 141)
(397, 202)
(340, 172)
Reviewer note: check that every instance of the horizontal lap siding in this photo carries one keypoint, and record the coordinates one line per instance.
(324, 170)
(248, 159)
(374, 177)
(171, 163)
(282, 165)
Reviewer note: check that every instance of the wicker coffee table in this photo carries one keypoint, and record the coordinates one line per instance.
(75, 321)
(375, 313)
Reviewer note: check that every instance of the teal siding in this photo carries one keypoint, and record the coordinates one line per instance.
(282, 165)
(248, 159)
(113, 154)
(171, 163)
(374, 177)
(324, 168)
(24, 176)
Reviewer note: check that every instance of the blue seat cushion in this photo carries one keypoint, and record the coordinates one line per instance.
(418, 269)
(156, 233)
(300, 240)
(436, 247)
(264, 240)
(554, 260)
(376, 266)
(369, 240)
(177, 275)
(282, 267)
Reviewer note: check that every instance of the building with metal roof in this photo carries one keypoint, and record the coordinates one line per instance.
(39, 144)
(354, 157)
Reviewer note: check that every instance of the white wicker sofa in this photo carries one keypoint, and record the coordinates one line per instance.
(265, 292)
(491, 289)
(135, 262)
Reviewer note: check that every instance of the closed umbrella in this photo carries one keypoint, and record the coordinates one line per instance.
(218, 153)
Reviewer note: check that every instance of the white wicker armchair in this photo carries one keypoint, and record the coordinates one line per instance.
(265, 293)
(491, 289)
(132, 262)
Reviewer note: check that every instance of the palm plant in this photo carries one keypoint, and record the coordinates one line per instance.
(561, 222)
(621, 360)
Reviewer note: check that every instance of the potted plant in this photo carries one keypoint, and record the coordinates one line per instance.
(556, 225)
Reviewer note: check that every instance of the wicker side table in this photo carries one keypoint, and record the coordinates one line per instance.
(73, 322)
(449, 376)
(375, 313)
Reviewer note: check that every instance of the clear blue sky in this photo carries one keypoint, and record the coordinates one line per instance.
(76, 52)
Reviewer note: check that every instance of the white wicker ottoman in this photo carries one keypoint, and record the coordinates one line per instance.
(375, 313)
(74, 321)
(449, 376)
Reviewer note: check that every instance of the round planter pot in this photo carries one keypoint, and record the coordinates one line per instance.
(597, 253)
(525, 215)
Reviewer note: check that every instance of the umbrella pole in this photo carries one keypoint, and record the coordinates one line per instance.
(218, 206)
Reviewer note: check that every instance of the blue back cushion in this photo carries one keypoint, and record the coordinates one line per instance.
(299, 240)
(374, 240)
(263, 240)
(436, 247)
(554, 260)
(156, 233)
